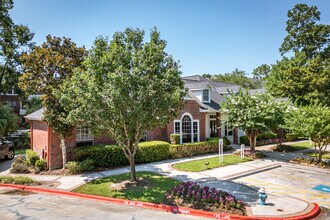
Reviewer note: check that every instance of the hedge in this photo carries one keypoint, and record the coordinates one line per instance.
(112, 155)
(261, 138)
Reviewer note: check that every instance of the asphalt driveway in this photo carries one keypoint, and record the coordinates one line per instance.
(15, 204)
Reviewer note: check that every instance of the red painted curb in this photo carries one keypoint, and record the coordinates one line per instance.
(175, 209)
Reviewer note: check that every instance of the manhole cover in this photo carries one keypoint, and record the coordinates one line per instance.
(280, 210)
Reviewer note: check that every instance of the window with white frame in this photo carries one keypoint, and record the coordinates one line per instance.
(206, 95)
(187, 128)
(83, 134)
(228, 130)
(177, 127)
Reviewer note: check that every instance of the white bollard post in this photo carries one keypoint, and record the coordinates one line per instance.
(242, 151)
(220, 150)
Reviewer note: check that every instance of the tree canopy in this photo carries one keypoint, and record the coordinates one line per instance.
(304, 34)
(254, 114)
(15, 40)
(311, 121)
(261, 71)
(126, 87)
(8, 120)
(237, 77)
(45, 69)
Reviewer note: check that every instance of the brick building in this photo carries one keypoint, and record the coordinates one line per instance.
(199, 119)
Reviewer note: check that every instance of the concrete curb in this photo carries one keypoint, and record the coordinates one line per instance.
(167, 208)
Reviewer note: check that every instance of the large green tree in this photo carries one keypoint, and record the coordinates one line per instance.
(254, 114)
(311, 121)
(304, 34)
(302, 80)
(45, 69)
(126, 87)
(8, 120)
(15, 40)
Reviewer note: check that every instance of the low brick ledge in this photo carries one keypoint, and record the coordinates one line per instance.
(313, 213)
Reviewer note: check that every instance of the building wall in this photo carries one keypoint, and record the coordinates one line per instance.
(39, 137)
(191, 107)
(15, 98)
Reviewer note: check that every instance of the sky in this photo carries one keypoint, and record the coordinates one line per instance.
(206, 36)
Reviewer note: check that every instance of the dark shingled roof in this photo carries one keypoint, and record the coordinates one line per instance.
(36, 116)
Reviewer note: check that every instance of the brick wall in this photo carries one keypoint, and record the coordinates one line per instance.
(157, 134)
(191, 107)
(39, 137)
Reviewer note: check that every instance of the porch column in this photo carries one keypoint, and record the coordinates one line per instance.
(235, 137)
(218, 124)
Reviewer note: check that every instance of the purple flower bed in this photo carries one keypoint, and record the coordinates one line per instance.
(192, 195)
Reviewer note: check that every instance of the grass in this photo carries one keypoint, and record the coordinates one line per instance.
(324, 156)
(158, 185)
(302, 145)
(199, 165)
(20, 151)
(20, 180)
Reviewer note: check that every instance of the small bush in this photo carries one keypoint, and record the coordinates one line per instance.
(21, 180)
(226, 141)
(253, 155)
(31, 157)
(41, 164)
(175, 138)
(266, 136)
(244, 140)
(19, 165)
(152, 151)
(75, 167)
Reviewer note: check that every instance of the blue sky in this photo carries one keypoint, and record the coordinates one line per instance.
(207, 36)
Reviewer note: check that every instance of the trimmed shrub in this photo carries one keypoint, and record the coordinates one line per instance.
(103, 156)
(244, 140)
(152, 151)
(75, 167)
(266, 136)
(41, 164)
(192, 149)
(31, 157)
(175, 138)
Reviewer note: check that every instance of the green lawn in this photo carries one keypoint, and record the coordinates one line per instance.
(302, 145)
(324, 156)
(20, 151)
(154, 191)
(199, 165)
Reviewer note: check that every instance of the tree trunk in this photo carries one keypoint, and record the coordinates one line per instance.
(64, 156)
(132, 165)
(253, 140)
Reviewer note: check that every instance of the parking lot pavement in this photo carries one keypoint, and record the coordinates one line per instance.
(295, 181)
(5, 166)
(16, 204)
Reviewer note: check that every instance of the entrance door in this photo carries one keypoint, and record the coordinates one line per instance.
(213, 129)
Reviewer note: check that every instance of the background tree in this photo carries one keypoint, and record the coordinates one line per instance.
(300, 79)
(254, 114)
(311, 121)
(15, 40)
(238, 77)
(126, 87)
(33, 105)
(304, 34)
(8, 120)
(45, 69)
(261, 71)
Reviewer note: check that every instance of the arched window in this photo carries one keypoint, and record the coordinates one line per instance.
(186, 129)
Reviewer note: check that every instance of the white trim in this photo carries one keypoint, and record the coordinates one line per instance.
(192, 127)
(209, 96)
(196, 99)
